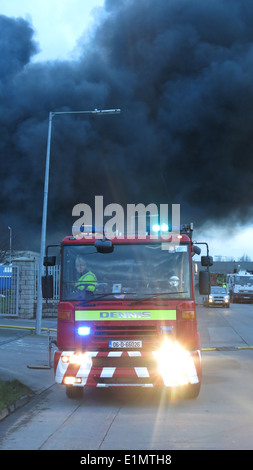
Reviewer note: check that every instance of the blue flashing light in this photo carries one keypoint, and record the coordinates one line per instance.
(156, 228)
(162, 228)
(84, 330)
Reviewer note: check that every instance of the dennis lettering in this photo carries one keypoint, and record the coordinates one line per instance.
(125, 315)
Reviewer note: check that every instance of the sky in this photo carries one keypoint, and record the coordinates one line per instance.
(58, 24)
(183, 77)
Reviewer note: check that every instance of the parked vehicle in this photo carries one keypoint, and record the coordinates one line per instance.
(240, 286)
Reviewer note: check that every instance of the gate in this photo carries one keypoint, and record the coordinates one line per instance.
(9, 289)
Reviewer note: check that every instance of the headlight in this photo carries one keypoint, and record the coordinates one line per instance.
(72, 380)
(79, 359)
(175, 364)
(226, 298)
(210, 298)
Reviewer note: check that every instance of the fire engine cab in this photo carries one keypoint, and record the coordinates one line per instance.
(127, 312)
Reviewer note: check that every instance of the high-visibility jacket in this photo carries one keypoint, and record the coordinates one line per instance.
(87, 281)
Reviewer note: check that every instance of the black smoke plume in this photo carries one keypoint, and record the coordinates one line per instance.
(180, 71)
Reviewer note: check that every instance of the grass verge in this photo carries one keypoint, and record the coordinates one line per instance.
(11, 391)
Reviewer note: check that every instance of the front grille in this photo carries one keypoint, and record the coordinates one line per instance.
(124, 361)
(141, 332)
(125, 380)
(219, 299)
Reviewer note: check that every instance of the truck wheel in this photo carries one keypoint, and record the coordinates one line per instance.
(192, 391)
(74, 392)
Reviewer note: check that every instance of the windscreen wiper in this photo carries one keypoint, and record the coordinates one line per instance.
(155, 296)
(102, 296)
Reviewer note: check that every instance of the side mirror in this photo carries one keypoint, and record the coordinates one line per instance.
(47, 287)
(49, 261)
(204, 283)
(206, 261)
(104, 246)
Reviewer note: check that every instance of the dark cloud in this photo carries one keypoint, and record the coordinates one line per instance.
(17, 46)
(180, 71)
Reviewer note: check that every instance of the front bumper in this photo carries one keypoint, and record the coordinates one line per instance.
(126, 368)
(243, 297)
(217, 302)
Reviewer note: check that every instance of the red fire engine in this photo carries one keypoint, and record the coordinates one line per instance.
(127, 313)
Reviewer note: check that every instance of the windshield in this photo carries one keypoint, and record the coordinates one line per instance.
(218, 290)
(131, 271)
(244, 280)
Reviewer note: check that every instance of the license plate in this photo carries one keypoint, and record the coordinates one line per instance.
(125, 344)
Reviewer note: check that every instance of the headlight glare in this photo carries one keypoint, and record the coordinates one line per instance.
(175, 364)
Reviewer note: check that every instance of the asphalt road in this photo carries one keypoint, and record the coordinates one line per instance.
(220, 418)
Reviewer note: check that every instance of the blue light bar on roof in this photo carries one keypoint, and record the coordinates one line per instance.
(185, 228)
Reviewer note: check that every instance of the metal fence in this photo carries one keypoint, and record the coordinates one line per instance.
(55, 272)
(9, 290)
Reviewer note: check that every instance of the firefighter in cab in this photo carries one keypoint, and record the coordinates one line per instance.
(87, 280)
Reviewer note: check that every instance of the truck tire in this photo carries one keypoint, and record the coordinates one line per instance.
(192, 391)
(74, 392)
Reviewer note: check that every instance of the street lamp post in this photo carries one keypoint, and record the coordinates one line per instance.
(44, 214)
